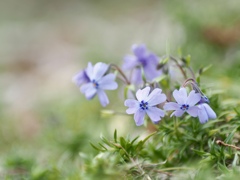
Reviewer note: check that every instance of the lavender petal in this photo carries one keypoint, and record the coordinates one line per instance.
(90, 93)
(202, 115)
(153, 59)
(139, 50)
(177, 113)
(137, 76)
(171, 106)
(130, 62)
(131, 110)
(193, 98)
(85, 87)
(142, 94)
(99, 70)
(193, 111)
(156, 97)
(132, 103)
(180, 96)
(151, 71)
(155, 113)
(103, 98)
(139, 117)
(89, 70)
(107, 82)
(80, 78)
(211, 114)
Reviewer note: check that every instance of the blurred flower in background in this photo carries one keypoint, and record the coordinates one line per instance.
(142, 59)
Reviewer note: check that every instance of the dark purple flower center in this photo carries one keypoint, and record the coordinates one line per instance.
(143, 105)
(184, 107)
(143, 61)
(95, 84)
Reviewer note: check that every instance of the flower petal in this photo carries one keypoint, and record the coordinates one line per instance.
(139, 50)
(85, 87)
(137, 76)
(130, 62)
(88, 90)
(154, 58)
(90, 93)
(202, 114)
(139, 117)
(99, 70)
(80, 78)
(211, 114)
(177, 113)
(89, 70)
(193, 111)
(102, 97)
(133, 106)
(131, 103)
(131, 110)
(107, 82)
(193, 98)
(155, 97)
(151, 71)
(155, 113)
(142, 94)
(171, 106)
(180, 96)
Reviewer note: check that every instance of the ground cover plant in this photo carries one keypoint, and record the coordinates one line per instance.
(119, 89)
(188, 140)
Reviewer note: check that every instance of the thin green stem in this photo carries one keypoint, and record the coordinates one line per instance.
(179, 66)
(121, 72)
(176, 168)
(192, 73)
(132, 160)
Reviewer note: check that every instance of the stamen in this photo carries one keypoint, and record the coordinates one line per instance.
(95, 84)
(143, 105)
(184, 107)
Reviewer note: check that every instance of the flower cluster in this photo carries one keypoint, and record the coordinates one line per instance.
(142, 59)
(150, 101)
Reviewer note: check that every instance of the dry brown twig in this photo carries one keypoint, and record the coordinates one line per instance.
(219, 142)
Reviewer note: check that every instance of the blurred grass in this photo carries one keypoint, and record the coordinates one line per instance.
(45, 120)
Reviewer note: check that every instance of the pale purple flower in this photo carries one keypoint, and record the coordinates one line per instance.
(184, 103)
(146, 103)
(81, 78)
(203, 99)
(205, 113)
(142, 58)
(98, 82)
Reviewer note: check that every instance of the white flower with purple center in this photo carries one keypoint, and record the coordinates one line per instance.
(98, 82)
(184, 103)
(205, 113)
(142, 57)
(146, 104)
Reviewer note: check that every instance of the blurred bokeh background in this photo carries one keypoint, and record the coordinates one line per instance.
(45, 120)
